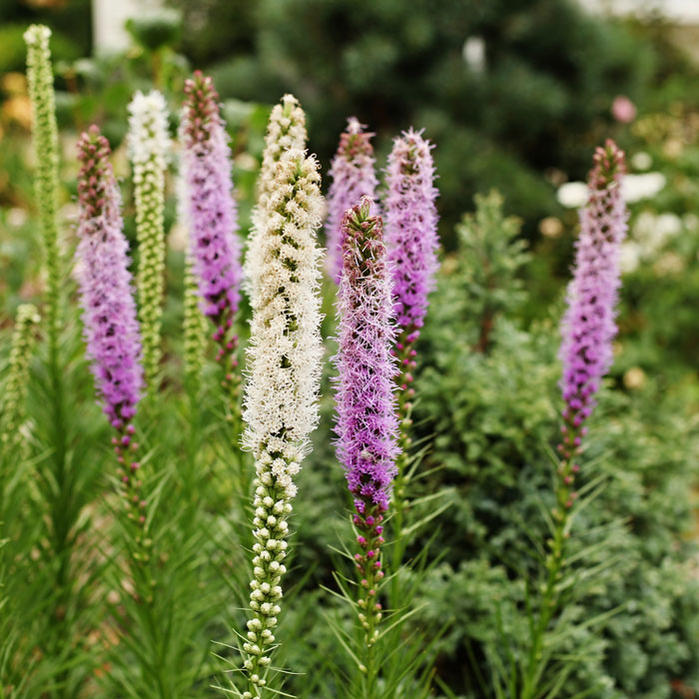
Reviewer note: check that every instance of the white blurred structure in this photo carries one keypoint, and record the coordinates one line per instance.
(108, 19)
(680, 11)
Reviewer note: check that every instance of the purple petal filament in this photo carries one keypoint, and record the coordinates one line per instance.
(109, 310)
(588, 327)
(353, 176)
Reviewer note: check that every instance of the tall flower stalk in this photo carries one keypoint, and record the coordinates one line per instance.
(45, 137)
(353, 176)
(58, 479)
(148, 146)
(587, 331)
(412, 240)
(366, 423)
(109, 310)
(211, 214)
(284, 366)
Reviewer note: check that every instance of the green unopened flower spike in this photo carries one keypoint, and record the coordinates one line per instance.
(15, 390)
(45, 133)
(148, 146)
(194, 327)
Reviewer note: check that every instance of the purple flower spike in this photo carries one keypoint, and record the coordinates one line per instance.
(411, 228)
(588, 326)
(209, 207)
(366, 421)
(109, 309)
(353, 176)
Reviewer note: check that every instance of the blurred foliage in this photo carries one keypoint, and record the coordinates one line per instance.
(540, 98)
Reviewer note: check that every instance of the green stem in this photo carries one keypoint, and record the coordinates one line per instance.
(369, 574)
(555, 560)
(405, 354)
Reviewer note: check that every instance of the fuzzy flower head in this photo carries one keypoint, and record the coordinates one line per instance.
(209, 204)
(366, 424)
(148, 140)
(109, 309)
(286, 131)
(285, 351)
(588, 326)
(353, 176)
(411, 227)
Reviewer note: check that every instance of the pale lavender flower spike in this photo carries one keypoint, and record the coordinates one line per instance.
(210, 210)
(210, 206)
(588, 327)
(353, 176)
(411, 228)
(109, 309)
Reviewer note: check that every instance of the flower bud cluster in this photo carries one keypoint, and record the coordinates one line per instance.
(194, 328)
(12, 412)
(353, 176)
(270, 529)
(148, 147)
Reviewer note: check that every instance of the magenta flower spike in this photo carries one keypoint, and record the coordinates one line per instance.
(211, 212)
(353, 176)
(411, 236)
(588, 327)
(366, 422)
(109, 310)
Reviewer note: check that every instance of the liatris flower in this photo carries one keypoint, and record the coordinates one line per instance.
(148, 145)
(211, 212)
(45, 132)
(366, 418)
(284, 366)
(588, 326)
(353, 176)
(15, 389)
(286, 131)
(586, 352)
(109, 309)
(411, 237)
